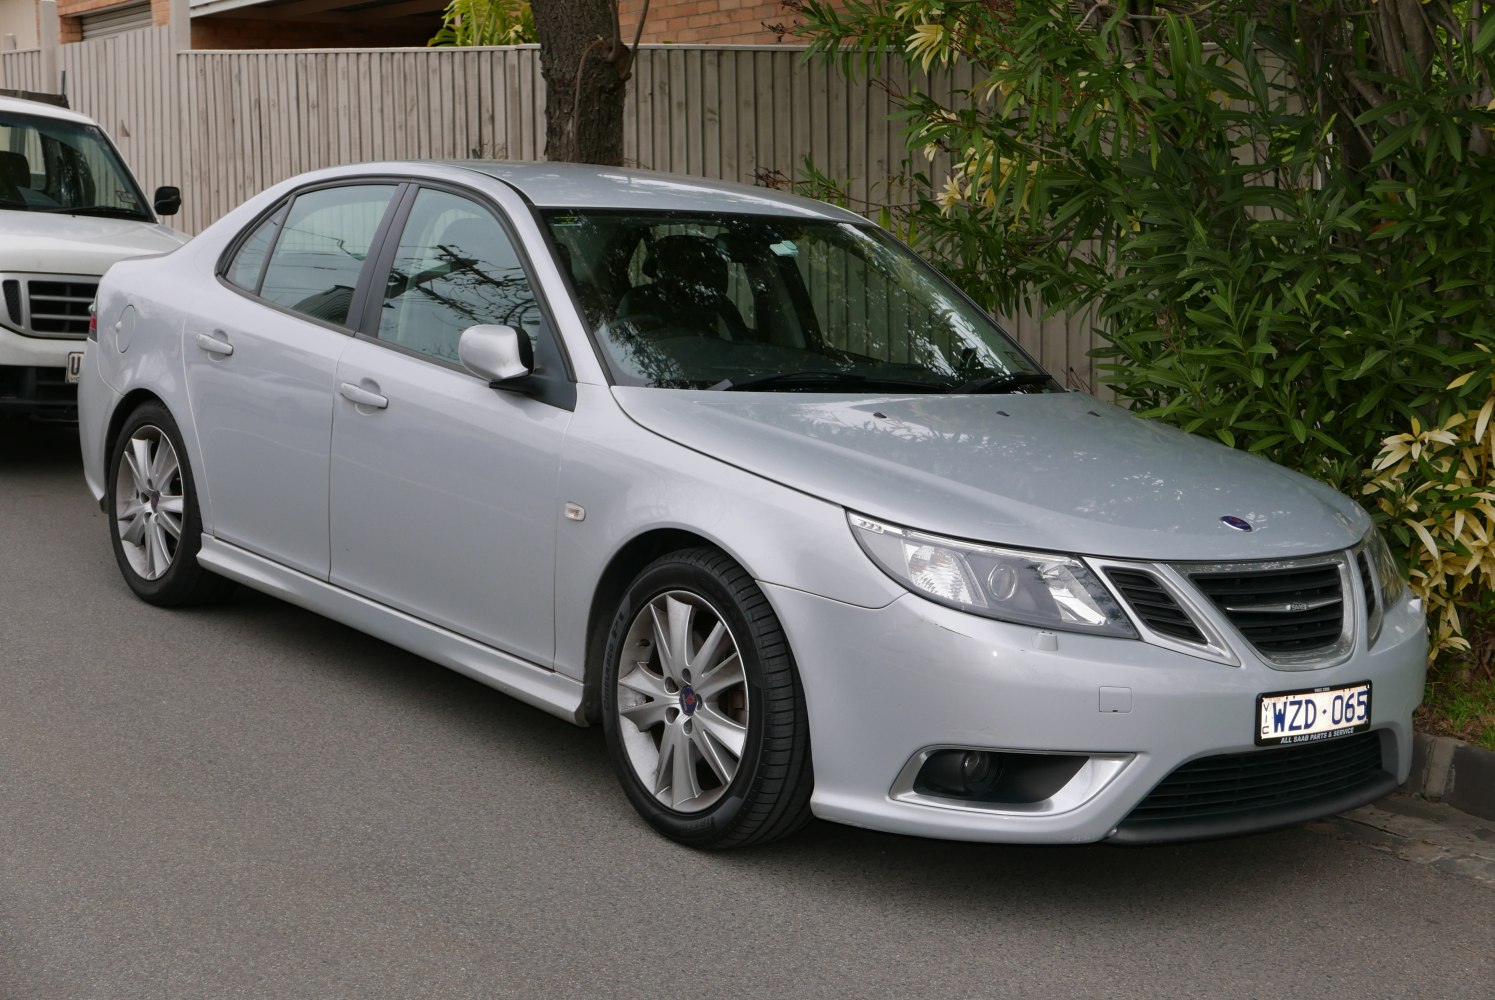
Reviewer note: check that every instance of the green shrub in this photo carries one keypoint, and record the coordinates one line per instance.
(1435, 488)
(486, 22)
(1281, 215)
(1266, 267)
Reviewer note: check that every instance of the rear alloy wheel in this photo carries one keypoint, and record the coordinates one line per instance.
(156, 529)
(702, 708)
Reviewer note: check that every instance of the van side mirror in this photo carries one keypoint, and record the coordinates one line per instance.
(168, 200)
(500, 354)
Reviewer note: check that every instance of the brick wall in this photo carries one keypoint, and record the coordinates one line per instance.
(731, 22)
(226, 32)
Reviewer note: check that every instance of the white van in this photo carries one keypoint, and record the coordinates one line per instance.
(69, 208)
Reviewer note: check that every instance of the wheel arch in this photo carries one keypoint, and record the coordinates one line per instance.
(128, 404)
(621, 570)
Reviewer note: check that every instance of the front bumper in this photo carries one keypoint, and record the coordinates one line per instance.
(41, 392)
(884, 686)
(33, 375)
(36, 352)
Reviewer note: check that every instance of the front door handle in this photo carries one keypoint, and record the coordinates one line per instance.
(362, 396)
(213, 345)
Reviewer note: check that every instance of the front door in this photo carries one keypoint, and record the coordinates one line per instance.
(444, 490)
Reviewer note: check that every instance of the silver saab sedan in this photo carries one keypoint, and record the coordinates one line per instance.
(738, 476)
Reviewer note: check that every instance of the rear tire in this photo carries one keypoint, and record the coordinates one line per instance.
(702, 706)
(154, 523)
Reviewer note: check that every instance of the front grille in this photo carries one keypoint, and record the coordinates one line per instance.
(13, 301)
(54, 306)
(1154, 605)
(1285, 611)
(60, 307)
(1262, 785)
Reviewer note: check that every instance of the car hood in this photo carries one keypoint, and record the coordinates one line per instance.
(39, 242)
(1056, 471)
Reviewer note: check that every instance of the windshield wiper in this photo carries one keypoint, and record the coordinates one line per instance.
(814, 379)
(1000, 383)
(107, 211)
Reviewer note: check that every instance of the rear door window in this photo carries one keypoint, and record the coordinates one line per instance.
(248, 263)
(322, 249)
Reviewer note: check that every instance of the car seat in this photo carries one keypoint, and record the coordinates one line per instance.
(687, 290)
(15, 176)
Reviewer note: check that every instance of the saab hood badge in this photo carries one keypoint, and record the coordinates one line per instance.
(1238, 523)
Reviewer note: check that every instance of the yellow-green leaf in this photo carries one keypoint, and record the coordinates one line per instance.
(1427, 539)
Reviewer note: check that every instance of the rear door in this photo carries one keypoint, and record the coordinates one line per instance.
(261, 364)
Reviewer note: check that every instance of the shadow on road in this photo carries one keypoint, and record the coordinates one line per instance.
(884, 869)
(34, 446)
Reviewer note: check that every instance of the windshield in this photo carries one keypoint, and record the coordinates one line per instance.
(769, 303)
(49, 165)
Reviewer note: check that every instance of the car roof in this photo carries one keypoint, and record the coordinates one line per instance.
(580, 185)
(16, 105)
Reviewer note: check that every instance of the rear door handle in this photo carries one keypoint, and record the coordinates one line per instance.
(362, 396)
(213, 345)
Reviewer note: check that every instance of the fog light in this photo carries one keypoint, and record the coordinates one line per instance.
(966, 773)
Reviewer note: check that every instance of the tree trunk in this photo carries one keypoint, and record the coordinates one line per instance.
(585, 65)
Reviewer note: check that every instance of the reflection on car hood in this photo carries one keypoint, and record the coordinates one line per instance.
(1056, 471)
(41, 242)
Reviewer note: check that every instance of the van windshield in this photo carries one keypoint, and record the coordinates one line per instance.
(64, 167)
(778, 304)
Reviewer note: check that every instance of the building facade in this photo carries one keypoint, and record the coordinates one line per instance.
(296, 24)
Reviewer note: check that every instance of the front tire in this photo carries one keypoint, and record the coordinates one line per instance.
(702, 707)
(155, 526)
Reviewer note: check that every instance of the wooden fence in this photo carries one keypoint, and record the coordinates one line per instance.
(127, 83)
(223, 125)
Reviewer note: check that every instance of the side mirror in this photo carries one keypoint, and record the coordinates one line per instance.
(499, 354)
(168, 200)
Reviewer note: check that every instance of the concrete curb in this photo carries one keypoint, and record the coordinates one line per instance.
(1448, 770)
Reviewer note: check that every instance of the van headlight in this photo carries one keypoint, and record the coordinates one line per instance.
(1011, 585)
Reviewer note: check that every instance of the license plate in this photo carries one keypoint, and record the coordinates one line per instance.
(1312, 714)
(74, 365)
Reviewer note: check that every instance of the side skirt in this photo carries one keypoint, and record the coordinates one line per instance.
(544, 689)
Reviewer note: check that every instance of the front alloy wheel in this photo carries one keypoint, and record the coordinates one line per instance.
(702, 707)
(683, 698)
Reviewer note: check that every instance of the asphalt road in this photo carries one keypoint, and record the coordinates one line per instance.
(250, 801)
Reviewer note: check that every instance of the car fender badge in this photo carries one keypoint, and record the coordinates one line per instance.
(1238, 523)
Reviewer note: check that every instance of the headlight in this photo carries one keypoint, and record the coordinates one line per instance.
(1388, 571)
(1011, 585)
(1390, 583)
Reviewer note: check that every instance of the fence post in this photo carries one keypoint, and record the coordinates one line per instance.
(51, 40)
(181, 25)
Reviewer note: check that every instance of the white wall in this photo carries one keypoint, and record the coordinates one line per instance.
(18, 17)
